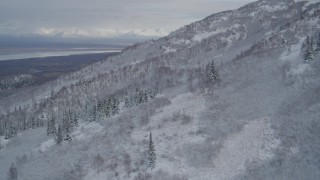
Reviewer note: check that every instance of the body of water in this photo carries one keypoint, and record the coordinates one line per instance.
(13, 54)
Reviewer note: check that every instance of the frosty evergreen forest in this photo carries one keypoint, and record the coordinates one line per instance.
(233, 96)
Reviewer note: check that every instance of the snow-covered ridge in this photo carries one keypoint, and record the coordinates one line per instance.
(204, 35)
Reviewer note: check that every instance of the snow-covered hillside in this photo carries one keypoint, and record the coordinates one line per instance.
(252, 114)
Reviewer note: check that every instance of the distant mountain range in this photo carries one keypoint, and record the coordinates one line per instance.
(81, 37)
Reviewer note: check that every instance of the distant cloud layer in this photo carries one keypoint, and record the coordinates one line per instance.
(104, 18)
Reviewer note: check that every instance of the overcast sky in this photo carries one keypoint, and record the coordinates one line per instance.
(104, 18)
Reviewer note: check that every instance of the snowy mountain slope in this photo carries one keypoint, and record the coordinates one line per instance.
(217, 32)
(260, 122)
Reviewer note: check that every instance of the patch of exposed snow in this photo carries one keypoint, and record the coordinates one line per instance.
(46, 145)
(214, 23)
(269, 33)
(250, 147)
(294, 150)
(203, 35)
(314, 23)
(224, 18)
(232, 38)
(269, 8)
(87, 131)
(295, 51)
(3, 142)
(92, 174)
(180, 41)
(299, 69)
(199, 37)
(169, 50)
(274, 8)
(252, 14)
(171, 134)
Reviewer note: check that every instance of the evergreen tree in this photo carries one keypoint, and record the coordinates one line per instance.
(126, 102)
(24, 124)
(1, 128)
(75, 119)
(51, 130)
(140, 97)
(115, 106)
(67, 136)
(308, 55)
(71, 118)
(13, 173)
(145, 97)
(99, 105)
(94, 113)
(12, 129)
(153, 93)
(312, 48)
(59, 135)
(33, 123)
(53, 126)
(131, 101)
(38, 123)
(289, 50)
(136, 97)
(86, 111)
(7, 133)
(318, 44)
(151, 154)
(66, 128)
(213, 73)
(107, 107)
(48, 127)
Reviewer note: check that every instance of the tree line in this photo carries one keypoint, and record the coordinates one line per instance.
(311, 49)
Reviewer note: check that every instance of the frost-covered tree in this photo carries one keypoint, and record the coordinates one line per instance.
(13, 173)
(213, 73)
(48, 128)
(318, 44)
(140, 97)
(115, 106)
(13, 131)
(33, 123)
(75, 119)
(39, 122)
(51, 129)
(136, 97)
(66, 128)
(312, 50)
(126, 102)
(107, 107)
(131, 101)
(289, 50)
(100, 105)
(1, 128)
(7, 133)
(145, 97)
(71, 118)
(151, 153)
(93, 113)
(59, 135)
(152, 93)
(24, 123)
(309, 51)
